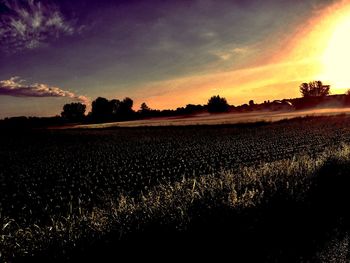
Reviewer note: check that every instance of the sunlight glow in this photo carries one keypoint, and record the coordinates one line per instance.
(336, 57)
(319, 49)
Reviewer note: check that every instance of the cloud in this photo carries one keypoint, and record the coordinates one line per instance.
(30, 24)
(16, 87)
(227, 54)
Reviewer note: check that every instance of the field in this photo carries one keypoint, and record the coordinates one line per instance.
(223, 118)
(261, 192)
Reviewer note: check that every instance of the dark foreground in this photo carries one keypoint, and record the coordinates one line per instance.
(259, 192)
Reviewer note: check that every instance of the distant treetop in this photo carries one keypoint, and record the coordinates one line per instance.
(217, 104)
(74, 111)
(314, 89)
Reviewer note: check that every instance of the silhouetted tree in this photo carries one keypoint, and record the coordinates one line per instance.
(314, 89)
(107, 110)
(347, 97)
(125, 108)
(74, 111)
(115, 105)
(251, 103)
(101, 109)
(145, 111)
(191, 108)
(217, 104)
(128, 103)
(144, 108)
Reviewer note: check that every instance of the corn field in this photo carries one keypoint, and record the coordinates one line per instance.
(61, 191)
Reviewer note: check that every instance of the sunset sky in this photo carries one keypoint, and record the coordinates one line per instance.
(167, 53)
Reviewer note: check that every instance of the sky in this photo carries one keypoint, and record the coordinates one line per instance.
(167, 53)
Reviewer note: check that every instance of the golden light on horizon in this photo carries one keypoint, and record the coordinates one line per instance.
(319, 49)
(336, 57)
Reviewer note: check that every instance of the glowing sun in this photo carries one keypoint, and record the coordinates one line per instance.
(336, 57)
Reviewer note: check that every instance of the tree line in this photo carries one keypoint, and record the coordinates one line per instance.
(103, 110)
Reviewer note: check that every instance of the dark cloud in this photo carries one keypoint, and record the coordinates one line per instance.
(30, 24)
(17, 88)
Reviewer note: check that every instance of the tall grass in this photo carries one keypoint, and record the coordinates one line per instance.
(175, 205)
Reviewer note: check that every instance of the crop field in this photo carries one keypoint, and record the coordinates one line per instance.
(222, 118)
(269, 192)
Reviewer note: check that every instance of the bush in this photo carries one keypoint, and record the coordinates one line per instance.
(217, 104)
